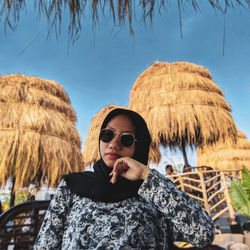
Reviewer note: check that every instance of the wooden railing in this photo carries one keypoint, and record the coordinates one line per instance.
(210, 188)
(20, 224)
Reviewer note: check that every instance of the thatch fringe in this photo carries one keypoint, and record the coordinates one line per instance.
(231, 164)
(119, 11)
(242, 135)
(91, 145)
(177, 76)
(181, 103)
(35, 91)
(224, 155)
(20, 81)
(39, 141)
(154, 154)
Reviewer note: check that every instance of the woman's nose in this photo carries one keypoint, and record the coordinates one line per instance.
(115, 142)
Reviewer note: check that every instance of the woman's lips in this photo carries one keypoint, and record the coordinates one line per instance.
(113, 155)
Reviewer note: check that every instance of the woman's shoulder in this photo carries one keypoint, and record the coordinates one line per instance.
(73, 175)
(77, 176)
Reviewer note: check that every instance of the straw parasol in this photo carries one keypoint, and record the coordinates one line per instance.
(225, 155)
(182, 106)
(120, 12)
(91, 145)
(39, 141)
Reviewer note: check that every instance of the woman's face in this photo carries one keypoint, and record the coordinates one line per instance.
(113, 150)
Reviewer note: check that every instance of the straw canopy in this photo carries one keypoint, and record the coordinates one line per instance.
(120, 12)
(39, 141)
(182, 105)
(226, 155)
(91, 145)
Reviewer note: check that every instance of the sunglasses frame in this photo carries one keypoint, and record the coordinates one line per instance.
(120, 135)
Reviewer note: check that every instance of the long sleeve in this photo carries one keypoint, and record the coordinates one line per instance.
(184, 219)
(51, 231)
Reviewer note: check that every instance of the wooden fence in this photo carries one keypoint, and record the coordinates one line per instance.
(210, 188)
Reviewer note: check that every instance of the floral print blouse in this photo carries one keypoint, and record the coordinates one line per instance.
(160, 215)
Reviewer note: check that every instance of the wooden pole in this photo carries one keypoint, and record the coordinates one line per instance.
(184, 153)
(181, 183)
(12, 194)
(229, 202)
(204, 192)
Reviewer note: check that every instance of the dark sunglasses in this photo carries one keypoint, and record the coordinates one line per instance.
(126, 139)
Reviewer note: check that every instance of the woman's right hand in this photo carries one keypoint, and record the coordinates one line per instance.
(130, 169)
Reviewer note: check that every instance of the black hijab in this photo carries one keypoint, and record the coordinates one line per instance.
(96, 185)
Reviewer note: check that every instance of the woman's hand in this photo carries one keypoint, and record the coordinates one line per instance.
(129, 169)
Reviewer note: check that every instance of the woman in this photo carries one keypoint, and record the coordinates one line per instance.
(122, 204)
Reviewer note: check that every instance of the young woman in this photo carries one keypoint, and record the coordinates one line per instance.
(122, 204)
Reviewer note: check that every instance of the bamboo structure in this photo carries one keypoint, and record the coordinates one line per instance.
(91, 146)
(224, 155)
(39, 142)
(210, 188)
(182, 106)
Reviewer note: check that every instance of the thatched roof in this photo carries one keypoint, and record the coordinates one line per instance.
(39, 141)
(91, 151)
(120, 12)
(181, 103)
(226, 155)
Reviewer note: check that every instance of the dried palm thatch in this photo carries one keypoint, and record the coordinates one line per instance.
(120, 11)
(226, 155)
(91, 145)
(39, 141)
(154, 154)
(182, 105)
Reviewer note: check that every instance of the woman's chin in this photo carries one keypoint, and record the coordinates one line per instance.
(110, 163)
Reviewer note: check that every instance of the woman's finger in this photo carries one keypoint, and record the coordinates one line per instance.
(119, 167)
(114, 178)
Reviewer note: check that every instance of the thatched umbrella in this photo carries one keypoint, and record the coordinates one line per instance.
(39, 141)
(120, 12)
(182, 105)
(226, 155)
(91, 150)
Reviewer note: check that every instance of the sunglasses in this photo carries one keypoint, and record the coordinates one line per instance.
(126, 139)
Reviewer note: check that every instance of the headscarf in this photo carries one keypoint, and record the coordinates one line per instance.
(96, 185)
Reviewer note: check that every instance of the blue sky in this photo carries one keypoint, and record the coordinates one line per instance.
(101, 67)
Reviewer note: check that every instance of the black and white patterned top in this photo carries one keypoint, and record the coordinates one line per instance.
(160, 214)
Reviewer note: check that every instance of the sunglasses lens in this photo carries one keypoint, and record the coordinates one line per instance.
(127, 140)
(106, 135)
